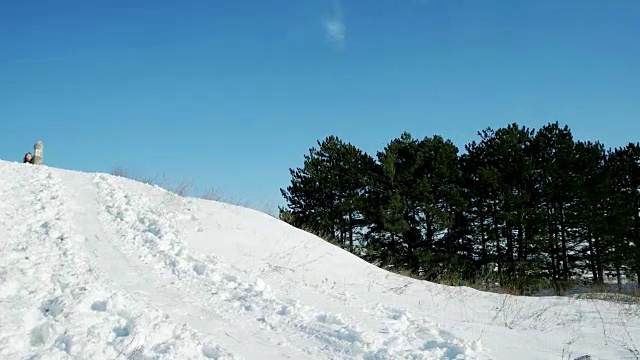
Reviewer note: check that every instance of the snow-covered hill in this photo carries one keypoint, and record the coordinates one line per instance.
(99, 267)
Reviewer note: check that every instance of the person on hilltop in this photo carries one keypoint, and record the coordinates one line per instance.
(28, 159)
(34, 159)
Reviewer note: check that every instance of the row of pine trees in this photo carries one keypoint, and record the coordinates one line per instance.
(522, 205)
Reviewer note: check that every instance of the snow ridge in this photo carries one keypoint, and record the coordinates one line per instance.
(94, 266)
(152, 233)
(66, 311)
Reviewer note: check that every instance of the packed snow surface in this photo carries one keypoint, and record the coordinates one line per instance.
(99, 267)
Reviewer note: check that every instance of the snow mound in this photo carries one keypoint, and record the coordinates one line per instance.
(100, 267)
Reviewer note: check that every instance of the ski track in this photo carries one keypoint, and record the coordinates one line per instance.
(82, 302)
(99, 267)
(69, 313)
(148, 228)
(114, 253)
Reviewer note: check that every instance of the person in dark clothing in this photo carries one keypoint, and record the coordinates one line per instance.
(27, 158)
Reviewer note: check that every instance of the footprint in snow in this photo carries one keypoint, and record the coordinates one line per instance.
(100, 306)
(64, 342)
(52, 307)
(330, 319)
(199, 268)
(124, 330)
(39, 335)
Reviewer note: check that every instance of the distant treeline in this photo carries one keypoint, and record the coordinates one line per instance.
(519, 205)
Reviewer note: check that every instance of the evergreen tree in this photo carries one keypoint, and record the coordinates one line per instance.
(501, 182)
(416, 192)
(555, 148)
(593, 206)
(625, 172)
(529, 204)
(326, 194)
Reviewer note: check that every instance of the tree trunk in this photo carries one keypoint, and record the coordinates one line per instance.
(592, 257)
(520, 242)
(563, 237)
(496, 233)
(483, 237)
(552, 245)
(636, 240)
(430, 233)
(509, 252)
(596, 243)
(351, 232)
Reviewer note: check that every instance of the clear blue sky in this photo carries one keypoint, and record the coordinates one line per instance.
(231, 94)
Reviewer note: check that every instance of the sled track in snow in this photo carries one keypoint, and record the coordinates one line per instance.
(82, 299)
(70, 310)
(149, 230)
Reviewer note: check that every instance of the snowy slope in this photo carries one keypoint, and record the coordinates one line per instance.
(98, 267)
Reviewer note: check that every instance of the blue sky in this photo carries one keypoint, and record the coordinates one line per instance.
(231, 94)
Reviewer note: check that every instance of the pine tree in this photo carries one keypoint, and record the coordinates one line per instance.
(625, 168)
(593, 206)
(529, 204)
(555, 147)
(326, 194)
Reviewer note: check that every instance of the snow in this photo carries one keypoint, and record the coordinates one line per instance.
(100, 267)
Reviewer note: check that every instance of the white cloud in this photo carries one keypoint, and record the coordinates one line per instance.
(335, 26)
